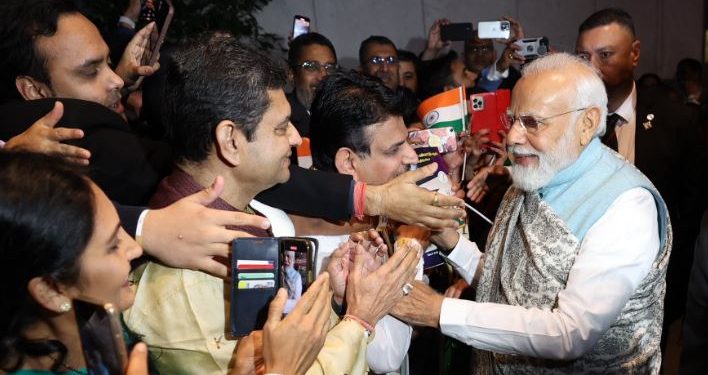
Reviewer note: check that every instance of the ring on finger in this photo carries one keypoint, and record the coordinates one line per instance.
(435, 199)
(407, 288)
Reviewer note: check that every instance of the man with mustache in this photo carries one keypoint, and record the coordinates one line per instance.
(311, 58)
(573, 276)
(378, 58)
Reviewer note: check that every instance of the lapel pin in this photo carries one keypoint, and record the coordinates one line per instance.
(647, 124)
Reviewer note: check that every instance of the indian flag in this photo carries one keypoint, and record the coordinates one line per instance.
(445, 109)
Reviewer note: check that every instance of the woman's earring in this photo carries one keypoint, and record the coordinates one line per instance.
(65, 307)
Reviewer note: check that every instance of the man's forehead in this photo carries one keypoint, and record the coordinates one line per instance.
(77, 40)
(378, 49)
(386, 133)
(317, 51)
(609, 35)
(552, 89)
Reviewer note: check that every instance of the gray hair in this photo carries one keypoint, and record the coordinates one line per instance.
(589, 89)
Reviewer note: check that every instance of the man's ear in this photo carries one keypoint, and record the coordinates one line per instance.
(345, 161)
(48, 295)
(589, 122)
(31, 89)
(636, 49)
(229, 142)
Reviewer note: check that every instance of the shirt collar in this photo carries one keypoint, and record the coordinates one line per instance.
(626, 110)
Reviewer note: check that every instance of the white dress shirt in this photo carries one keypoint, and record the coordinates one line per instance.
(614, 257)
(626, 126)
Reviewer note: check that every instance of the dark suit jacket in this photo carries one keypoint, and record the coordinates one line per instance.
(694, 358)
(129, 168)
(669, 154)
(125, 166)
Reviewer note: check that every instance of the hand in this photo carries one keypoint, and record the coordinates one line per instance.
(291, 345)
(138, 361)
(342, 260)
(247, 358)
(445, 239)
(131, 67)
(370, 296)
(474, 144)
(455, 290)
(43, 138)
(186, 234)
(338, 269)
(509, 56)
(517, 31)
(477, 188)
(435, 42)
(402, 200)
(421, 307)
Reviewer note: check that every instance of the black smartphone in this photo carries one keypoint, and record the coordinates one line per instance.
(101, 338)
(301, 25)
(161, 12)
(456, 31)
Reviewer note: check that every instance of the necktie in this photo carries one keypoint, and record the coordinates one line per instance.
(610, 137)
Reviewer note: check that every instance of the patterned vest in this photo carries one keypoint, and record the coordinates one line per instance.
(532, 247)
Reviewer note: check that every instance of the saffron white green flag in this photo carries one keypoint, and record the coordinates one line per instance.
(448, 108)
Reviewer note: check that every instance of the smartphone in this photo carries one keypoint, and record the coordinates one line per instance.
(456, 31)
(101, 338)
(161, 12)
(444, 139)
(297, 266)
(487, 111)
(494, 30)
(532, 48)
(301, 25)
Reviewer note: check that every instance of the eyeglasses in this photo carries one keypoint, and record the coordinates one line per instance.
(482, 49)
(388, 60)
(529, 123)
(315, 66)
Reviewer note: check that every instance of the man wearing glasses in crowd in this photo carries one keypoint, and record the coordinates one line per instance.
(311, 58)
(378, 58)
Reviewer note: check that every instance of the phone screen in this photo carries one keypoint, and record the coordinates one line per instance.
(101, 338)
(297, 259)
(301, 25)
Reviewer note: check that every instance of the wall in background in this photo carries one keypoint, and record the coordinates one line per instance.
(668, 30)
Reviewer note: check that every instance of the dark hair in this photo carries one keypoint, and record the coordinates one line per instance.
(404, 55)
(689, 69)
(21, 22)
(305, 40)
(345, 104)
(46, 220)
(437, 74)
(608, 16)
(410, 104)
(374, 39)
(211, 79)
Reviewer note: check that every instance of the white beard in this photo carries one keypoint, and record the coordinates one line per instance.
(549, 164)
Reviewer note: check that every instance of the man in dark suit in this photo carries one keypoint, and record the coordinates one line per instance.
(659, 136)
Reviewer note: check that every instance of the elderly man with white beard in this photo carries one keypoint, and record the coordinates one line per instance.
(573, 276)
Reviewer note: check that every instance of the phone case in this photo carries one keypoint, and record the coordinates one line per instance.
(456, 31)
(494, 30)
(255, 271)
(101, 338)
(487, 111)
(444, 139)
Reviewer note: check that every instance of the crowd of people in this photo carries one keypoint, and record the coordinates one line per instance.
(127, 184)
